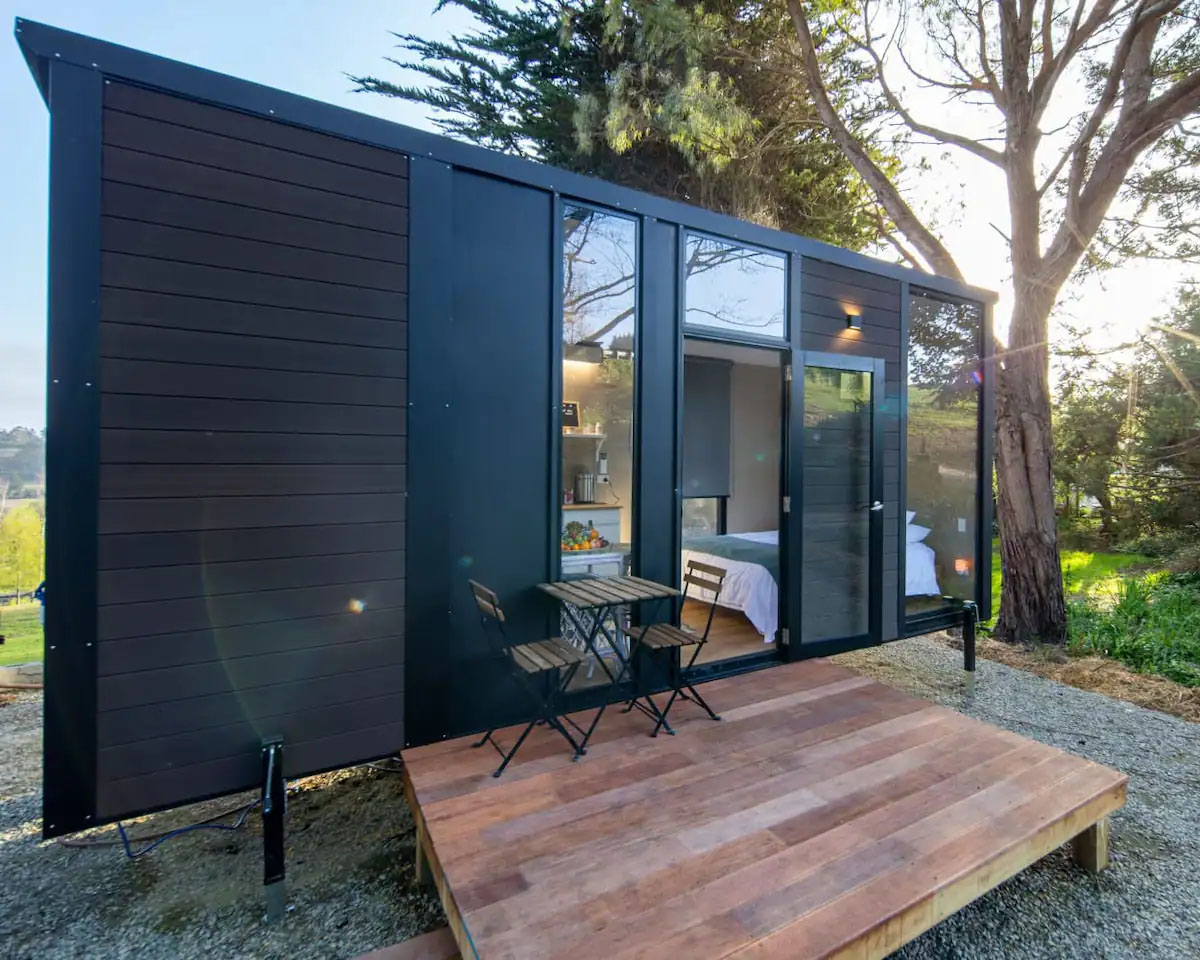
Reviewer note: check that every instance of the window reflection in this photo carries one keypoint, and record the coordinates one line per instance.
(734, 288)
(599, 323)
(943, 418)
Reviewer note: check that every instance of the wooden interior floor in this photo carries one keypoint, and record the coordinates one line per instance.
(825, 815)
(732, 635)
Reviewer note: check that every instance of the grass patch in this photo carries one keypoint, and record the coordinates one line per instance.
(1086, 573)
(22, 630)
(1152, 624)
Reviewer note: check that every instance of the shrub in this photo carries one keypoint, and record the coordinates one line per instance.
(1153, 626)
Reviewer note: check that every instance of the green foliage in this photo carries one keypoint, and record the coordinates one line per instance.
(21, 627)
(697, 102)
(1153, 626)
(1087, 574)
(1130, 437)
(22, 454)
(22, 549)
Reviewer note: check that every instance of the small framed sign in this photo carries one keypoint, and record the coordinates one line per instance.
(570, 413)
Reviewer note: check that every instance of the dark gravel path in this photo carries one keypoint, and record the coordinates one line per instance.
(350, 873)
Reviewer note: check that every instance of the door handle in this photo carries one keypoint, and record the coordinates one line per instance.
(876, 507)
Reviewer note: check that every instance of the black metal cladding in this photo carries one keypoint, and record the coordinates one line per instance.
(288, 212)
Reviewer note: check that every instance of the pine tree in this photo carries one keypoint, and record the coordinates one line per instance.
(697, 102)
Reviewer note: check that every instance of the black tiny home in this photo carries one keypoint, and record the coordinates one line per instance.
(310, 370)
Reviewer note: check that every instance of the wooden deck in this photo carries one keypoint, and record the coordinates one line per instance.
(825, 816)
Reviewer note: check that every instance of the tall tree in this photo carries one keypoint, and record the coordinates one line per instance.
(1117, 80)
(699, 102)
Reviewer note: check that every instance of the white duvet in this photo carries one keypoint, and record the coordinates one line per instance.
(748, 587)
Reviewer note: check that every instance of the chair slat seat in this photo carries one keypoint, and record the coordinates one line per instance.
(663, 635)
(542, 655)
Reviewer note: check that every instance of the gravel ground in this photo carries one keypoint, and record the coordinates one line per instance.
(350, 845)
(350, 872)
(1147, 904)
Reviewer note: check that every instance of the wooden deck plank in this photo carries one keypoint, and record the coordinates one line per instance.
(826, 815)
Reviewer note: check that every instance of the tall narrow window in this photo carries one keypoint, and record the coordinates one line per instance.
(943, 421)
(734, 289)
(599, 340)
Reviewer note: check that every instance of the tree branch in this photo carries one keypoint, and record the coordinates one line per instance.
(927, 245)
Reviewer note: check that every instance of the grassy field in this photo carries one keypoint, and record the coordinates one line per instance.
(22, 630)
(1086, 573)
(1120, 607)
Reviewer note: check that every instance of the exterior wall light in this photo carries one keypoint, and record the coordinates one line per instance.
(853, 321)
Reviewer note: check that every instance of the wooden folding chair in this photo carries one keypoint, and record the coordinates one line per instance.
(543, 669)
(666, 636)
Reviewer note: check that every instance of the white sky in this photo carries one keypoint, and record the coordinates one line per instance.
(306, 46)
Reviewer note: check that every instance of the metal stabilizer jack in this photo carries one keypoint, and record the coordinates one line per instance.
(274, 805)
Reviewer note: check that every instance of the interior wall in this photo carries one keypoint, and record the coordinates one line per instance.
(754, 504)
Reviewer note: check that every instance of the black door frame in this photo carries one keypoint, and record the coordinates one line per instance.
(799, 649)
(776, 652)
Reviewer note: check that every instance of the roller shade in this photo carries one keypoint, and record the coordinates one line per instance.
(706, 427)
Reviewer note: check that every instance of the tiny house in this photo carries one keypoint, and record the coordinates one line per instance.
(309, 371)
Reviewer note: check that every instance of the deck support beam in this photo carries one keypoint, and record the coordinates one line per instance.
(1090, 848)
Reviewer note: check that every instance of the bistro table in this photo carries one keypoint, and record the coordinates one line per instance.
(598, 598)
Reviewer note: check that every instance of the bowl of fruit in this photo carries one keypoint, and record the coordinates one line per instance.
(576, 536)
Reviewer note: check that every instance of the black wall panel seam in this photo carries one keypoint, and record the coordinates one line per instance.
(149, 149)
(142, 102)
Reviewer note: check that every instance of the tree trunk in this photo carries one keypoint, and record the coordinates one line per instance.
(1032, 605)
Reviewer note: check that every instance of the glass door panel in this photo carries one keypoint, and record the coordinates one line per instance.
(840, 500)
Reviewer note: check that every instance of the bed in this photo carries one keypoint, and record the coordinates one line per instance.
(752, 564)
(752, 582)
(920, 567)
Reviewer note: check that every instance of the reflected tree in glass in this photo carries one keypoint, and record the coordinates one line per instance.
(735, 288)
(943, 421)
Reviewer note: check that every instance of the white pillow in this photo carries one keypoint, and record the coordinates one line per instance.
(915, 533)
(910, 516)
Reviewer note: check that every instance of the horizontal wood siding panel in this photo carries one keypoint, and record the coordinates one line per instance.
(133, 585)
(118, 551)
(246, 156)
(138, 238)
(852, 294)
(145, 308)
(169, 378)
(168, 616)
(203, 116)
(200, 713)
(196, 180)
(124, 481)
(243, 771)
(134, 341)
(253, 478)
(165, 514)
(149, 205)
(247, 416)
(245, 673)
(202, 446)
(244, 736)
(201, 280)
(131, 654)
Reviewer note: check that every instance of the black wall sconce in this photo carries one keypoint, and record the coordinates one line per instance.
(853, 321)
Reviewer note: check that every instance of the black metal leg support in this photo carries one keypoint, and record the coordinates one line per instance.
(274, 805)
(970, 615)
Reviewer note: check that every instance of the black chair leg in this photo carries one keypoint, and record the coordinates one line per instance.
(486, 737)
(700, 701)
(516, 746)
